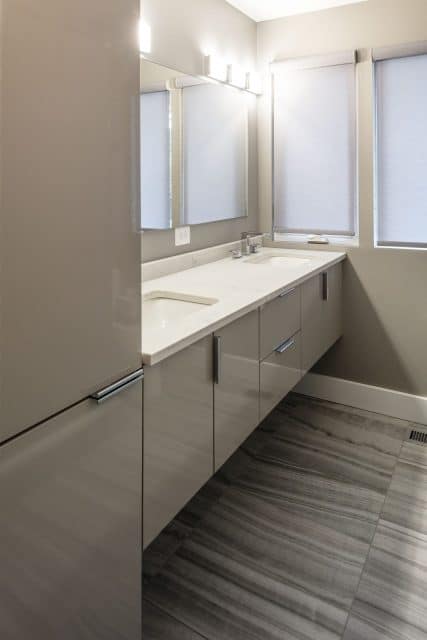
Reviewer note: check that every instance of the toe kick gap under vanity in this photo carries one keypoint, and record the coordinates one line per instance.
(213, 375)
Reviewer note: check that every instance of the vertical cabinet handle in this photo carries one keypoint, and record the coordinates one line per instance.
(325, 286)
(217, 359)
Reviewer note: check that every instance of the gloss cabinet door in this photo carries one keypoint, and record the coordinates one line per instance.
(70, 267)
(321, 303)
(178, 433)
(236, 389)
(70, 535)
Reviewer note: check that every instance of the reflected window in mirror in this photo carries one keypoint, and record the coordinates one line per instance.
(155, 160)
(215, 138)
(194, 149)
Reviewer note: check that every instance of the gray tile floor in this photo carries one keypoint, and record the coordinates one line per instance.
(316, 529)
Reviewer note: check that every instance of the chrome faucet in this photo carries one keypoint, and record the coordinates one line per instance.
(248, 243)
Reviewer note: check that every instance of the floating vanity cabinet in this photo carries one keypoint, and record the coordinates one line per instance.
(280, 340)
(178, 433)
(203, 402)
(321, 314)
(236, 388)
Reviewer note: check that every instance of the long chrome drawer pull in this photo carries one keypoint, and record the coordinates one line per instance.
(118, 387)
(287, 292)
(285, 346)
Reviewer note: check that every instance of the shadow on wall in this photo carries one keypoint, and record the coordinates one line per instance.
(384, 318)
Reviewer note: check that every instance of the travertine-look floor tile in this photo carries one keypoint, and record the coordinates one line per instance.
(158, 625)
(391, 602)
(267, 570)
(273, 548)
(357, 447)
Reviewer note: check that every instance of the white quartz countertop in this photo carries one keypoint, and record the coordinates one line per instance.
(239, 286)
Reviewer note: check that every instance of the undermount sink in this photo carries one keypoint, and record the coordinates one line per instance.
(163, 308)
(278, 259)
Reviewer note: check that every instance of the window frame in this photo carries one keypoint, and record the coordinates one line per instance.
(380, 55)
(280, 234)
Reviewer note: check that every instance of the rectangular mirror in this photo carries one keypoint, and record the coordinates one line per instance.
(194, 149)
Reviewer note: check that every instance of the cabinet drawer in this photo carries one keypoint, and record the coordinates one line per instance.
(279, 319)
(279, 373)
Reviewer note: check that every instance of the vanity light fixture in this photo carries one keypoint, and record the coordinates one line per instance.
(216, 69)
(254, 84)
(231, 74)
(237, 77)
(144, 37)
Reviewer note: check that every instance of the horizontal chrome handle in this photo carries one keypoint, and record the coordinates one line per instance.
(287, 292)
(117, 387)
(285, 345)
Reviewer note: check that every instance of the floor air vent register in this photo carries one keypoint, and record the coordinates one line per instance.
(418, 436)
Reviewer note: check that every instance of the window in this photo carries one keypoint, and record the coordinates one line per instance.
(155, 161)
(401, 154)
(215, 138)
(315, 160)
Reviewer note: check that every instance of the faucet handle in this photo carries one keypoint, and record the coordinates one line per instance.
(236, 254)
(249, 234)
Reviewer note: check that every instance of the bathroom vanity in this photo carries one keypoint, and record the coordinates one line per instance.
(223, 343)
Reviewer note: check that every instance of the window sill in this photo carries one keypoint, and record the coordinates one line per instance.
(401, 247)
(302, 238)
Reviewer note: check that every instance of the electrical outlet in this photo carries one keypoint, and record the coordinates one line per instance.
(182, 236)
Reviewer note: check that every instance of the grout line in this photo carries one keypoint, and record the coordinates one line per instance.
(170, 615)
(398, 457)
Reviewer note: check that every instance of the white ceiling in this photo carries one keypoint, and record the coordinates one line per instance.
(260, 10)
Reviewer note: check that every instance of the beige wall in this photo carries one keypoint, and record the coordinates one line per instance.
(182, 32)
(385, 341)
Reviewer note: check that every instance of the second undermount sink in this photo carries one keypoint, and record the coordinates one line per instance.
(163, 308)
(278, 260)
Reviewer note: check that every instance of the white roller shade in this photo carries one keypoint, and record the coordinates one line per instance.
(401, 99)
(215, 132)
(155, 161)
(400, 51)
(315, 146)
(315, 62)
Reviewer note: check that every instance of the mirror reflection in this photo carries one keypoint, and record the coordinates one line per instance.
(194, 149)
